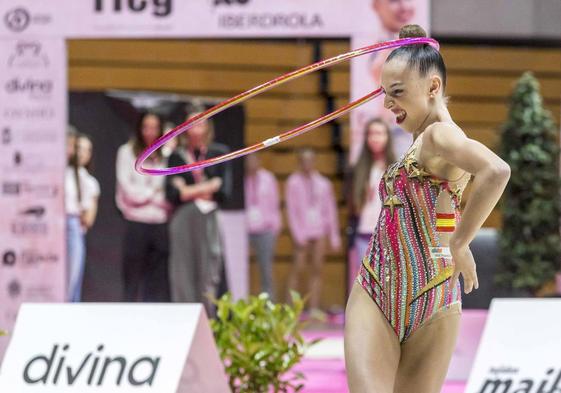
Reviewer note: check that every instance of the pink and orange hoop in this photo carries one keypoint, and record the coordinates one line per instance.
(260, 89)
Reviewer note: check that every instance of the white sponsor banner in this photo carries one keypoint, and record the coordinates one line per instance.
(519, 351)
(32, 159)
(178, 18)
(379, 21)
(161, 348)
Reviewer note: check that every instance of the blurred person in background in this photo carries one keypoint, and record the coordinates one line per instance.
(196, 252)
(312, 218)
(363, 196)
(81, 202)
(262, 204)
(170, 145)
(141, 200)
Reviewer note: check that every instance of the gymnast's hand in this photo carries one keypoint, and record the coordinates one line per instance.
(215, 183)
(464, 264)
(178, 182)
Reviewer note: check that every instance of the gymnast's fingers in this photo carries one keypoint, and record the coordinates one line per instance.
(476, 280)
(468, 283)
(455, 277)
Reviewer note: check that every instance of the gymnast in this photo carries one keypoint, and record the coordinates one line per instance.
(403, 313)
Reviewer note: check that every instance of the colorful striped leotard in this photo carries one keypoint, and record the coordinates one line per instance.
(406, 269)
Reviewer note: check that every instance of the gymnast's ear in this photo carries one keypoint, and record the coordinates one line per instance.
(435, 85)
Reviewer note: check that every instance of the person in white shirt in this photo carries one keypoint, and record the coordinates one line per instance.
(364, 199)
(141, 200)
(81, 201)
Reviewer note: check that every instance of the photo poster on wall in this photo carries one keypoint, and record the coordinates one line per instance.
(379, 21)
(109, 119)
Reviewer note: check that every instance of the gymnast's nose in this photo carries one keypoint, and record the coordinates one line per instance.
(388, 102)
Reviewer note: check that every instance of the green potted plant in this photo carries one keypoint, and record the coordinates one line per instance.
(259, 342)
(529, 239)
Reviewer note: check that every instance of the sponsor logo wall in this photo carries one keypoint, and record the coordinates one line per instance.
(32, 161)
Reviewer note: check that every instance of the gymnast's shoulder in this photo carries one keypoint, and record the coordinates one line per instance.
(443, 136)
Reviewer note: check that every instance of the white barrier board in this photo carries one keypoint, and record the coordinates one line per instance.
(520, 351)
(112, 348)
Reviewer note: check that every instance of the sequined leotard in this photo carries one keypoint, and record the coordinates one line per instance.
(406, 269)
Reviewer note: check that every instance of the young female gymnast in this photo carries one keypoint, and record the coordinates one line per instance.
(403, 312)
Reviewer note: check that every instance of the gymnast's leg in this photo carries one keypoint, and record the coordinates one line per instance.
(425, 356)
(372, 348)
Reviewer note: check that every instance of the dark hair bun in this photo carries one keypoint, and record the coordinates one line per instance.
(410, 31)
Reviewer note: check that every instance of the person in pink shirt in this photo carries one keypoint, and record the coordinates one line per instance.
(312, 218)
(262, 208)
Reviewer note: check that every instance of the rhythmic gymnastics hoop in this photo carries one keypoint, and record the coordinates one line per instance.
(260, 89)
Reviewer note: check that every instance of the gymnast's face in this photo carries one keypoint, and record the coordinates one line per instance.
(409, 96)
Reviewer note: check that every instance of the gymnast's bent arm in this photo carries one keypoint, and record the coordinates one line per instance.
(491, 176)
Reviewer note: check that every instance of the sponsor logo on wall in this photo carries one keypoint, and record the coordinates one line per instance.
(14, 289)
(20, 163)
(9, 258)
(16, 188)
(28, 258)
(236, 17)
(6, 135)
(17, 291)
(34, 88)
(19, 113)
(28, 55)
(268, 20)
(19, 19)
(157, 8)
(30, 222)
